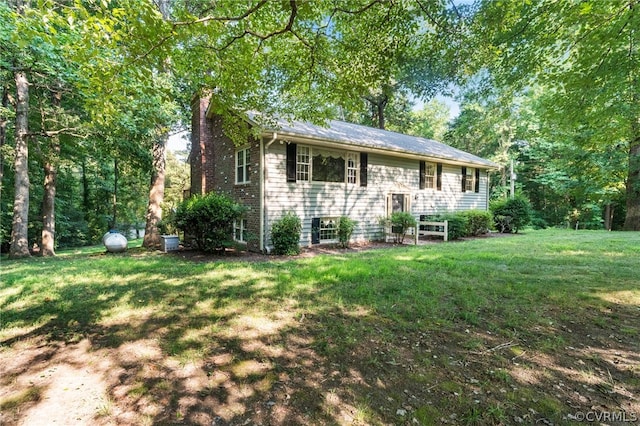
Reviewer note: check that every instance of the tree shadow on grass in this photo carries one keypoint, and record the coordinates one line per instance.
(318, 342)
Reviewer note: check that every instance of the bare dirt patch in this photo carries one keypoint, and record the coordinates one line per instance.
(287, 365)
(271, 373)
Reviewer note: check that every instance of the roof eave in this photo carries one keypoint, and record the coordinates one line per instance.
(311, 140)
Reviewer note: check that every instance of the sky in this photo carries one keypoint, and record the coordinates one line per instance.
(178, 141)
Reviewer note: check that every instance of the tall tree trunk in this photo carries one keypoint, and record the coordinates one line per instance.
(378, 105)
(608, 215)
(632, 218)
(47, 247)
(156, 195)
(114, 219)
(3, 131)
(19, 229)
(85, 189)
(381, 119)
(48, 204)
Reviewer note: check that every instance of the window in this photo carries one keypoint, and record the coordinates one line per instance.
(324, 230)
(240, 230)
(352, 167)
(328, 229)
(306, 164)
(397, 203)
(242, 166)
(328, 166)
(469, 183)
(430, 175)
(303, 163)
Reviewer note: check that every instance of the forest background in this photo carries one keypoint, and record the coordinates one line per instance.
(91, 91)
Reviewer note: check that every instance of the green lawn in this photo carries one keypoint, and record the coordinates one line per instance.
(537, 327)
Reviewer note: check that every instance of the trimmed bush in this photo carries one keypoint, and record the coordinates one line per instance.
(511, 214)
(468, 223)
(345, 229)
(285, 235)
(209, 220)
(538, 223)
(457, 226)
(478, 222)
(400, 224)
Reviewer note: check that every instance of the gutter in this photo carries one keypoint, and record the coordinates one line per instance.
(263, 168)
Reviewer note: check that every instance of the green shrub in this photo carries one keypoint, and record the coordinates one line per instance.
(285, 235)
(538, 223)
(457, 226)
(587, 216)
(462, 224)
(511, 214)
(478, 222)
(209, 220)
(401, 222)
(345, 229)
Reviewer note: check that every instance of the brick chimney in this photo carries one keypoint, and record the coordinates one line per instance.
(201, 146)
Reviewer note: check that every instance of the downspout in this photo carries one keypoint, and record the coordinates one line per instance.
(487, 196)
(263, 160)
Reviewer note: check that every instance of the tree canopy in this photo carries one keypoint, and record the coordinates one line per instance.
(584, 55)
(90, 90)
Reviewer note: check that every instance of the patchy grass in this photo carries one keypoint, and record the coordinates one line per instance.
(528, 328)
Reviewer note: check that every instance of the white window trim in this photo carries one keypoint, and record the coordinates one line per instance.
(434, 176)
(308, 163)
(328, 240)
(345, 154)
(470, 182)
(245, 166)
(239, 225)
(406, 201)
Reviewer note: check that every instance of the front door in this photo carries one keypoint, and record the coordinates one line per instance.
(397, 203)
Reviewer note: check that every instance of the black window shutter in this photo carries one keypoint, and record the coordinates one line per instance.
(464, 179)
(439, 177)
(477, 188)
(423, 171)
(315, 230)
(291, 162)
(364, 164)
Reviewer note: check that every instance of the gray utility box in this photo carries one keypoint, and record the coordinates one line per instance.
(169, 243)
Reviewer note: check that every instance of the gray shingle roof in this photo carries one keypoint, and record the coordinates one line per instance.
(363, 136)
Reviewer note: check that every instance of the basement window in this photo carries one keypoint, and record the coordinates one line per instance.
(240, 230)
(328, 229)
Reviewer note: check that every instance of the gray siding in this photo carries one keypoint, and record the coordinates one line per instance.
(366, 205)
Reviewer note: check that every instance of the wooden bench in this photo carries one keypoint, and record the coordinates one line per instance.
(432, 228)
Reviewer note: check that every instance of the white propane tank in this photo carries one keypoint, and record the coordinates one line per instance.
(115, 242)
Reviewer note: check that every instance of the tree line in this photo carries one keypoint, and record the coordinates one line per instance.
(92, 90)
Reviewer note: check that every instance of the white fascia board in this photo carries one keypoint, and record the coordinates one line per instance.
(310, 140)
